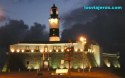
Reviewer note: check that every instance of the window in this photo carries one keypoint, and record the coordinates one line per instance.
(59, 48)
(46, 48)
(37, 49)
(54, 47)
(27, 49)
(65, 48)
(53, 29)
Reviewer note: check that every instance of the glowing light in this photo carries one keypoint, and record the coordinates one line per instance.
(46, 63)
(57, 11)
(81, 66)
(54, 23)
(118, 65)
(76, 50)
(4, 68)
(46, 49)
(81, 50)
(29, 67)
(12, 50)
(36, 67)
(22, 50)
(90, 50)
(67, 50)
(53, 20)
(83, 40)
(54, 38)
(18, 50)
(50, 50)
(108, 64)
(57, 50)
(41, 50)
(32, 51)
(75, 67)
(61, 66)
(61, 70)
(54, 67)
(62, 50)
(90, 66)
(96, 52)
(115, 65)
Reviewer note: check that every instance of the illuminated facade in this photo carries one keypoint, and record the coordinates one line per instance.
(52, 54)
(111, 60)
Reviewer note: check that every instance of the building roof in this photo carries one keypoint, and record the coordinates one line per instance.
(46, 42)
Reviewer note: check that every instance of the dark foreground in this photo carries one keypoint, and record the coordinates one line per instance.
(46, 74)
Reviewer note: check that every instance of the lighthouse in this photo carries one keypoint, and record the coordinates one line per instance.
(54, 24)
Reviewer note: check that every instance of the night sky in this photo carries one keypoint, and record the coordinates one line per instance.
(32, 11)
(28, 20)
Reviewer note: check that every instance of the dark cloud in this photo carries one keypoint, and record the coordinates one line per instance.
(94, 23)
(78, 14)
(16, 31)
(84, 16)
(105, 27)
(11, 32)
(37, 33)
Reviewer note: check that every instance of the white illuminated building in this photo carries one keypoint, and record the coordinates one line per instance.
(51, 54)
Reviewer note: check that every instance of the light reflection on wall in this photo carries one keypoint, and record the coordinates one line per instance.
(75, 67)
(12, 50)
(54, 67)
(22, 50)
(107, 63)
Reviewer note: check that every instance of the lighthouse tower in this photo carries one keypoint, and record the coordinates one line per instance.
(54, 24)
